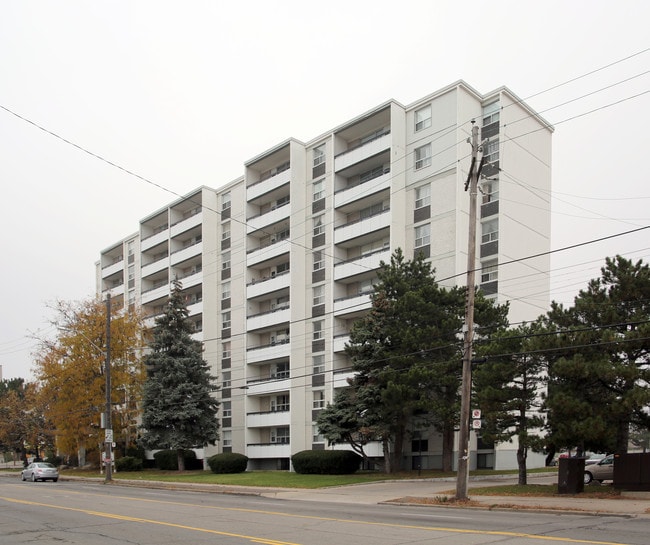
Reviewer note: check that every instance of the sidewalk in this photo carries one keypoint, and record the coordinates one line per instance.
(416, 492)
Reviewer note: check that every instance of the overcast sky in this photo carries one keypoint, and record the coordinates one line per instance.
(183, 93)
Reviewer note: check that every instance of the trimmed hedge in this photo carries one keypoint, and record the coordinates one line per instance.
(128, 463)
(228, 462)
(168, 460)
(326, 462)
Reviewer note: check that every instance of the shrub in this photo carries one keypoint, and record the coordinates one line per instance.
(54, 460)
(168, 460)
(326, 462)
(228, 462)
(128, 463)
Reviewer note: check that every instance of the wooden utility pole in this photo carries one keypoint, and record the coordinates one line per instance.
(108, 438)
(466, 387)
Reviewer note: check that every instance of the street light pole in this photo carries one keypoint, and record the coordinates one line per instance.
(108, 439)
(466, 387)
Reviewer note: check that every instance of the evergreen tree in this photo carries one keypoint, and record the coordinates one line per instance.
(508, 388)
(407, 359)
(598, 361)
(179, 411)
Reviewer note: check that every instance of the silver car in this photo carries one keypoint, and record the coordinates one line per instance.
(601, 471)
(40, 471)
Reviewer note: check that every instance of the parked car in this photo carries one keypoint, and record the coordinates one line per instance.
(600, 471)
(594, 459)
(40, 471)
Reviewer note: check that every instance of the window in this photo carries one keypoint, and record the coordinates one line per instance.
(490, 271)
(491, 114)
(490, 191)
(423, 235)
(225, 379)
(375, 246)
(280, 370)
(319, 228)
(366, 286)
(225, 201)
(225, 349)
(371, 174)
(373, 210)
(422, 156)
(225, 320)
(225, 290)
(226, 438)
(318, 330)
(225, 233)
(226, 408)
(319, 190)
(319, 262)
(280, 435)
(225, 260)
(318, 399)
(318, 293)
(490, 231)
(423, 196)
(280, 403)
(319, 156)
(491, 150)
(318, 363)
(317, 437)
(423, 118)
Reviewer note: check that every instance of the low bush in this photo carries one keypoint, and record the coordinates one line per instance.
(54, 460)
(326, 462)
(128, 463)
(168, 460)
(228, 462)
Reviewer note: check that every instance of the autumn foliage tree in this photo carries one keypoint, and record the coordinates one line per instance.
(71, 372)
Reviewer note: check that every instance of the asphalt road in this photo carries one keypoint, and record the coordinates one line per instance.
(73, 513)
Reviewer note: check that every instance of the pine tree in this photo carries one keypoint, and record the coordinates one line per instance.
(509, 388)
(598, 361)
(406, 356)
(179, 410)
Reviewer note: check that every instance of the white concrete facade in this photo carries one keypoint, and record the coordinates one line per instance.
(277, 264)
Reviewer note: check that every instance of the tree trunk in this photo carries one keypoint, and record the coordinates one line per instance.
(622, 436)
(181, 459)
(522, 454)
(447, 447)
(387, 460)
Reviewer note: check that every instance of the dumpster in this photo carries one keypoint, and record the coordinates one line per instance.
(570, 476)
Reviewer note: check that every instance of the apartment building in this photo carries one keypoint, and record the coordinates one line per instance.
(277, 264)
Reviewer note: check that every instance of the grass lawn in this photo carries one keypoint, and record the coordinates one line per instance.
(272, 479)
(542, 490)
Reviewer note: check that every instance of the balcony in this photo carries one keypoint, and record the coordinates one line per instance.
(268, 419)
(263, 187)
(192, 279)
(361, 153)
(276, 215)
(186, 224)
(361, 191)
(186, 253)
(268, 285)
(340, 379)
(268, 319)
(269, 352)
(113, 268)
(352, 306)
(195, 308)
(153, 240)
(268, 450)
(265, 253)
(156, 266)
(355, 229)
(362, 264)
(267, 386)
(155, 293)
(340, 341)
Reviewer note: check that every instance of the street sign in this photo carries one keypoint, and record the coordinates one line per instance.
(476, 424)
(476, 413)
(109, 435)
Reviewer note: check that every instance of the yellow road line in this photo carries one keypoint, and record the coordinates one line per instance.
(292, 515)
(149, 521)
